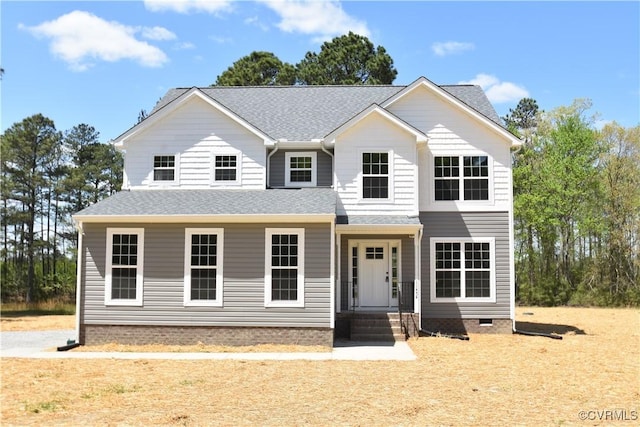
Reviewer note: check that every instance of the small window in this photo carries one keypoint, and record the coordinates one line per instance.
(203, 266)
(473, 181)
(284, 259)
(164, 168)
(124, 278)
(300, 169)
(375, 175)
(374, 253)
(463, 270)
(226, 168)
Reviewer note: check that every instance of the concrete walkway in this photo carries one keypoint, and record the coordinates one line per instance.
(42, 345)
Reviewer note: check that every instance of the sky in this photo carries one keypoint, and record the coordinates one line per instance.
(101, 63)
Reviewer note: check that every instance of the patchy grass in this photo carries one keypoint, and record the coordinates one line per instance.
(490, 380)
(44, 308)
(43, 316)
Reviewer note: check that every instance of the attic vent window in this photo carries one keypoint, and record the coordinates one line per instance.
(164, 168)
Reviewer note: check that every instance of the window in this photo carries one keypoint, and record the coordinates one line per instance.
(203, 266)
(284, 275)
(300, 169)
(462, 270)
(124, 261)
(474, 179)
(375, 175)
(226, 168)
(164, 168)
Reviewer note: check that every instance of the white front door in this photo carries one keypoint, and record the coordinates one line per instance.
(374, 274)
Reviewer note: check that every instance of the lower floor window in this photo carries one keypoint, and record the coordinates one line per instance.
(284, 262)
(462, 269)
(125, 254)
(203, 266)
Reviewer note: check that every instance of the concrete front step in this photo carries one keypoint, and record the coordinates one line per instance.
(376, 327)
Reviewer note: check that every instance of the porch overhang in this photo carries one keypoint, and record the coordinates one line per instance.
(377, 224)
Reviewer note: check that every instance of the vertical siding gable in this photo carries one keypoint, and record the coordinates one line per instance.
(194, 132)
(373, 134)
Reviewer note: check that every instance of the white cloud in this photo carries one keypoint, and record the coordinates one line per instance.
(187, 6)
(221, 40)
(325, 19)
(255, 21)
(80, 38)
(450, 48)
(498, 92)
(157, 33)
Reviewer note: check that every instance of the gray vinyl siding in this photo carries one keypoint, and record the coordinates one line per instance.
(244, 286)
(407, 258)
(324, 176)
(464, 225)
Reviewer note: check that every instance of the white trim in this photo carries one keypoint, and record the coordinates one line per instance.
(238, 169)
(79, 258)
(440, 92)
(461, 204)
(299, 302)
(360, 244)
(462, 241)
(188, 233)
(287, 168)
(332, 277)
(390, 176)
(177, 219)
(158, 115)
(386, 114)
(139, 267)
(176, 171)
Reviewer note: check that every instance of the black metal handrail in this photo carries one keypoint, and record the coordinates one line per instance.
(405, 303)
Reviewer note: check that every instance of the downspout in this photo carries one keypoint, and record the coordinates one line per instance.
(79, 260)
(268, 180)
(333, 169)
(417, 298)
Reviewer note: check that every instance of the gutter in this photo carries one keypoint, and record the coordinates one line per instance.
(79, 259)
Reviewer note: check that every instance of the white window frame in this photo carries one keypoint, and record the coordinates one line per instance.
(390, 176)
(287, 168)
(461, 178)
(299, 302)
(108, 300)
(175, 168)
(238, 169)
(217, 302)
(462, 297)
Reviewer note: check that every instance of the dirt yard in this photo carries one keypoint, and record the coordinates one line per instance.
(591, 377)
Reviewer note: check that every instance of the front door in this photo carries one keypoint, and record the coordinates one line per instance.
(374, 274)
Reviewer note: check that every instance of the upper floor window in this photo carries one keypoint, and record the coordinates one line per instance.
(226, 168)
(375, 175)
(203, 266)
(473, 181)
(284, 275)
(300, 169)
(123, 284)
(164, 168)
(462, 269)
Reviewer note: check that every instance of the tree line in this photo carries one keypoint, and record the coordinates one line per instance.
(576, 207)
(47, 175)
(576, 188)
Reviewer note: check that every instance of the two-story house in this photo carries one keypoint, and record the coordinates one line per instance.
(276, 214)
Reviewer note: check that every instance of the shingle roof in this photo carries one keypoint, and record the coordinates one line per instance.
(303, 113)
(183, 202)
